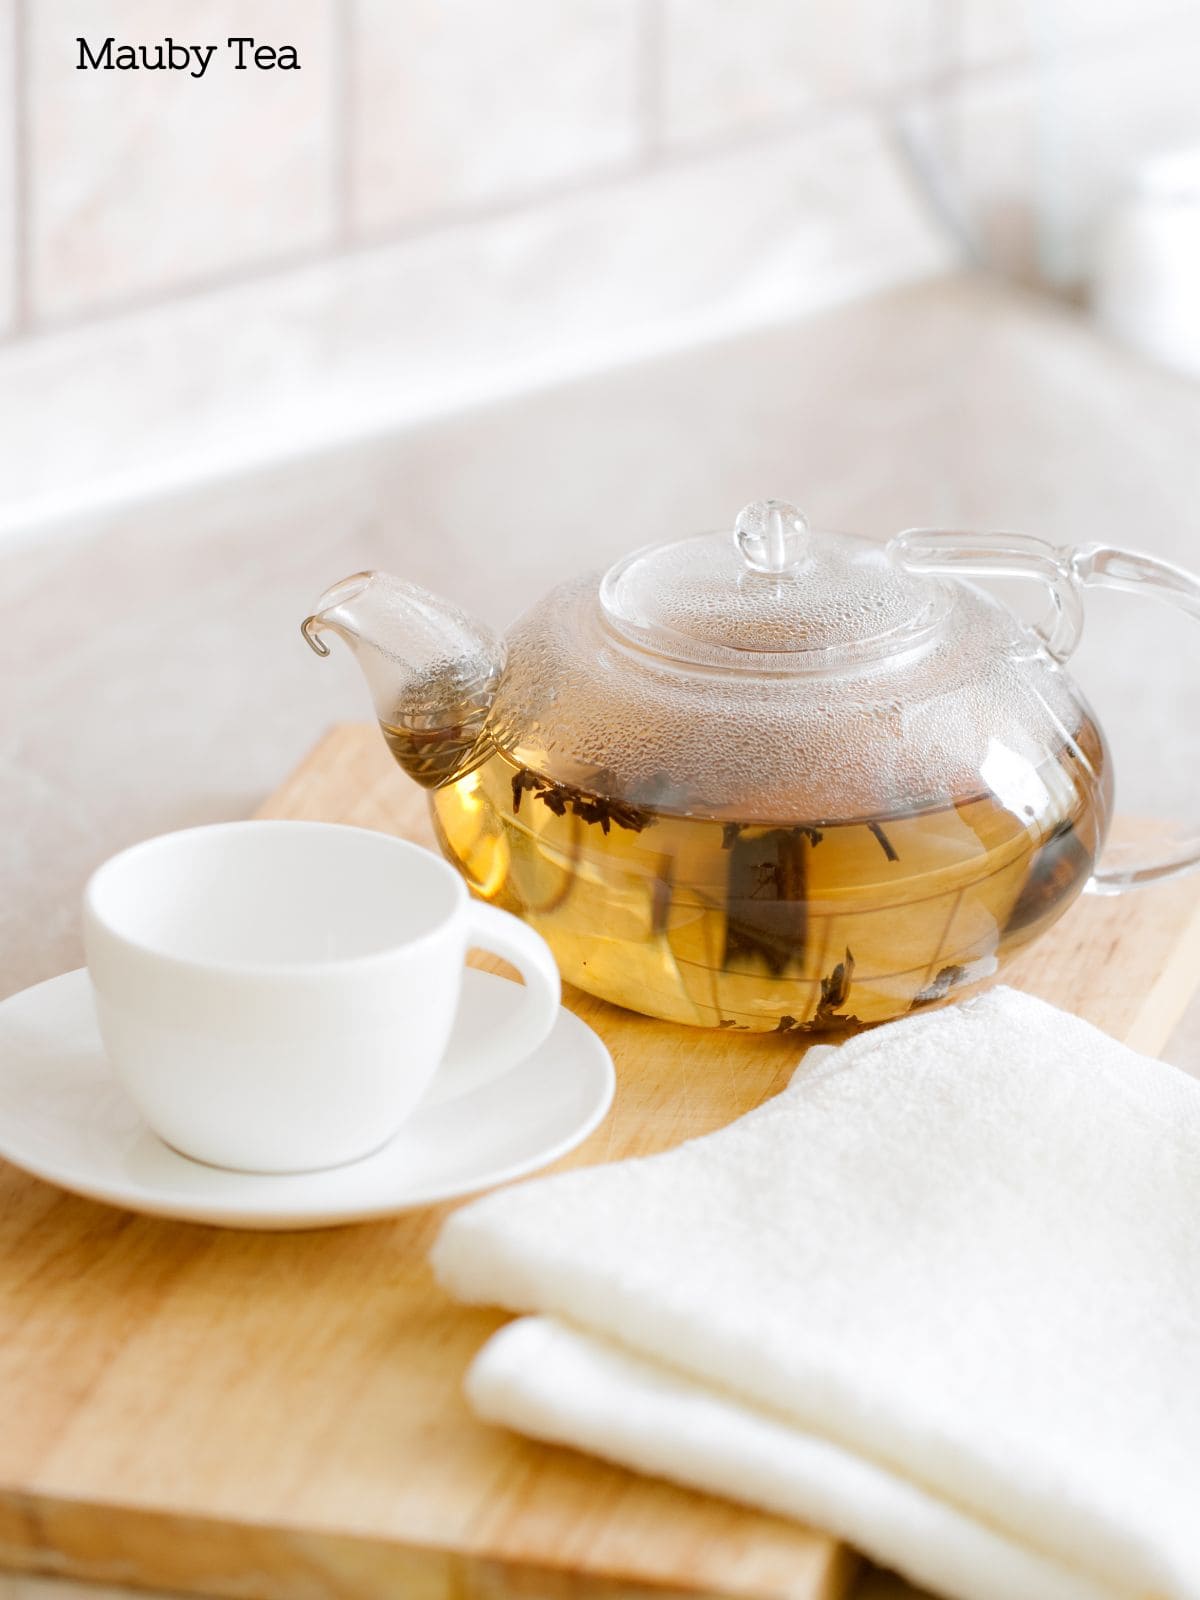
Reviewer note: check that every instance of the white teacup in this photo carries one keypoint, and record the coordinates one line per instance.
(277, 996)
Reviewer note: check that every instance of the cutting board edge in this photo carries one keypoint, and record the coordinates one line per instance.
(160, 1548)
(1172, 992)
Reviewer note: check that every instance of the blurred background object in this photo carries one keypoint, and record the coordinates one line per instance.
(1147, 277)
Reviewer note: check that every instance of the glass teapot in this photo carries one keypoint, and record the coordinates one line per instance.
(780, 781)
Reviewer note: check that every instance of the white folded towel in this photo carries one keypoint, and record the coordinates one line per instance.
(941, 1297)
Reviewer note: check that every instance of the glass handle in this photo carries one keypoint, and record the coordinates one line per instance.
(1004, 555)
(1066, 571)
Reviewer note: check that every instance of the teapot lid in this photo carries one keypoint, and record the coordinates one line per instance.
(777, 597)
(775, 676)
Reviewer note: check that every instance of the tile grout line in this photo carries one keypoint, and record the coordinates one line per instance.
(341, 164)
(22, 175)
(926, 156)
(650, 84)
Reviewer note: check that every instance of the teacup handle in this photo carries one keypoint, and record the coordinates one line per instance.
(517, 1034)
(1066, 571)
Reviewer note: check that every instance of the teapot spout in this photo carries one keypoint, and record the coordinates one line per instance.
(432, 670)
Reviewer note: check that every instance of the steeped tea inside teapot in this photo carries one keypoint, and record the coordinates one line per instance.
(803, 925)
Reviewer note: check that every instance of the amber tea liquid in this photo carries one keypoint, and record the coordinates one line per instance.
(768, 927)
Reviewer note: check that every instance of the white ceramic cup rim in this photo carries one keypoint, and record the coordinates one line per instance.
(103, 881)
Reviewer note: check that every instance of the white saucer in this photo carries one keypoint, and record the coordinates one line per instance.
(64, 1118)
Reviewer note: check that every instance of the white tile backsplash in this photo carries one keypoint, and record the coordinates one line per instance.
(139, 185)
(454, 103)
(347, 348)
(8, 160)
(455, 198)
(147, 182)
(733, 65)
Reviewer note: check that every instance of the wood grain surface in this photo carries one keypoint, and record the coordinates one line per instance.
(281, 1415)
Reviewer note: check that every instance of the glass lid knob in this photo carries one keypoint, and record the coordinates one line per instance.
(771, 537)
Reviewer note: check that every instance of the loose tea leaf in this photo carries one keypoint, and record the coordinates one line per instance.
(563, 797)
(434, 757)
(661, 891)
(767, 907)
(835, 991)
(438, 728)
(1058, 870)
(885, 844)
(947, 979)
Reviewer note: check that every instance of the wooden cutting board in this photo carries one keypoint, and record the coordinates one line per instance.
(280, 1415)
